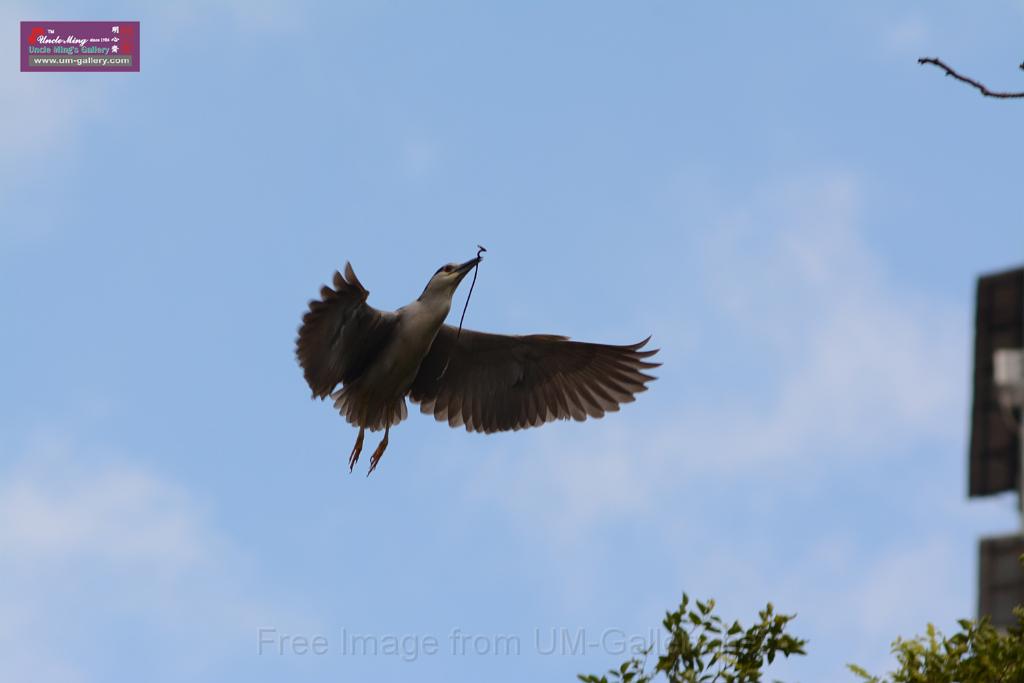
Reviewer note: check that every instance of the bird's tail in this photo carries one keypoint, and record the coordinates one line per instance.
(361, 408)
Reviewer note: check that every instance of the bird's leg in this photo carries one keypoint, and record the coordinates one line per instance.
(356, 450)
(380, 450)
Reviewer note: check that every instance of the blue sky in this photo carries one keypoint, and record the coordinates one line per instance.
(792, 207)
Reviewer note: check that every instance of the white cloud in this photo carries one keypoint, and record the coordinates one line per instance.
(117, 516)
(906, 34)
(41, 111)
(568, 481)
(849, 603)
(257, 16)
(902, 587)
(420, 157)
(45, 113)
(855, 366)
(88, 539)
(862, 363)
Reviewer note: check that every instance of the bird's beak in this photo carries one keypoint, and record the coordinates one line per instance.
(468, 265)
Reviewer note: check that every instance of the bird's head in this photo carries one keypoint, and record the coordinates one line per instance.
(447, 278)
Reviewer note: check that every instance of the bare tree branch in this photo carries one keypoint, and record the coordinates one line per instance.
(970, 81)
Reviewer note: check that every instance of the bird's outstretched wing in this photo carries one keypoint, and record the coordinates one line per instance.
(340, 334)
(496, 383)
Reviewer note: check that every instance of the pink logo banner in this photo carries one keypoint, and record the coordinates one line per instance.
(79, 46)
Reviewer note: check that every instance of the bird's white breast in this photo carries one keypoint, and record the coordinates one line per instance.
(418, 324)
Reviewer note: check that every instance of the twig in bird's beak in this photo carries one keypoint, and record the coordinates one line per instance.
(473, 261)
(475, 265)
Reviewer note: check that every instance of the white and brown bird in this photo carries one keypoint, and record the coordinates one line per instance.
(485, 382)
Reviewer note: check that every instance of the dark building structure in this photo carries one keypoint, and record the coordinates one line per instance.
(996, 449)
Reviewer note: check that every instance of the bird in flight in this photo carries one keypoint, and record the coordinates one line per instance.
(485, 382)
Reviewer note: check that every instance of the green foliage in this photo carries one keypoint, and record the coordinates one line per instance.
(977, 653)
(703, 649)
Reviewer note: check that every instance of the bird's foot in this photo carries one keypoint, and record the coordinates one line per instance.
(356, 450)
(375, 458)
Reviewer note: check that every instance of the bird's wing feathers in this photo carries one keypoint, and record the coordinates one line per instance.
(340, 334)
(496, 383)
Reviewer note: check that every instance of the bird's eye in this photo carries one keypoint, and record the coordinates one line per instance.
(447, 269)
